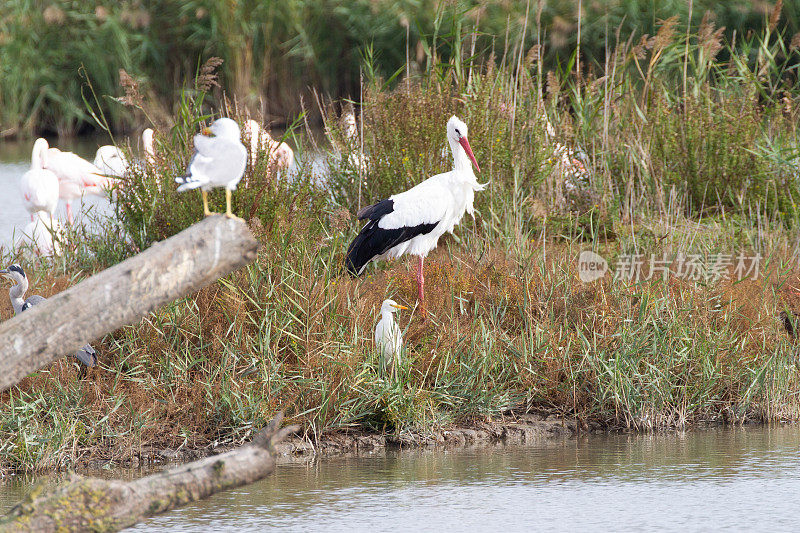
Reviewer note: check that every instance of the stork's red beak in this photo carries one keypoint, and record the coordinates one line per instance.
(465, 144)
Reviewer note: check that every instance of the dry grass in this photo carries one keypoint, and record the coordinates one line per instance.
(511, 326)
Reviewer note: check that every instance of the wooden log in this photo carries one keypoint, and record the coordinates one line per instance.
(91, 504)
(123, 294)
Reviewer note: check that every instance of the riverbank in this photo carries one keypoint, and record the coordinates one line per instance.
(636, 286)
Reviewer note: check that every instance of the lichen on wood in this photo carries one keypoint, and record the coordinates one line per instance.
(91, 504)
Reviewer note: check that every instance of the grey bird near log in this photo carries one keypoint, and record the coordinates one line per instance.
(15, 273)
(123, 294)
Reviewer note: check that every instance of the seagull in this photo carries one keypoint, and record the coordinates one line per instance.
(388, 338)
(85, 355)
(76, 176)
(39, 186)
(411, 222)
(218, 161)
(279, 155)
(111, 161)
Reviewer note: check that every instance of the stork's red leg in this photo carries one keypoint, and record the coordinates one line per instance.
(69, 211)
(421, 284)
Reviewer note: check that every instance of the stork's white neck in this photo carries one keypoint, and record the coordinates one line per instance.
(461, 162)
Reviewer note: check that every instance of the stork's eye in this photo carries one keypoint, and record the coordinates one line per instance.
(458, 131)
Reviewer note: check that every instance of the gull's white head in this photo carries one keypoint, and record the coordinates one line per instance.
(224, 127)
(457, 133)
(390, 306)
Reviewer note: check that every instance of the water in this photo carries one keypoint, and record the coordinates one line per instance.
(720, 479)
(15, 160)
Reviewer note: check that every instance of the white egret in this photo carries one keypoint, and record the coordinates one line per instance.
(218, 161)
(85, 355)
(411, 222)
(39, 186)
(388, 338)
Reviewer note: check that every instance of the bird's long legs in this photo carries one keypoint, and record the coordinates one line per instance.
(69, 211)
(421, 285)
(205, 203)
(228, 212)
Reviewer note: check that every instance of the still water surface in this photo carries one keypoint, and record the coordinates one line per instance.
(720, 479)
(15, 160)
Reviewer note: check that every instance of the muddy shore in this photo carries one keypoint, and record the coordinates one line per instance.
(522, 429)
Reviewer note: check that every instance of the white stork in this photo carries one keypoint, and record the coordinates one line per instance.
(39, 186)
(411, 222)
(76, 176)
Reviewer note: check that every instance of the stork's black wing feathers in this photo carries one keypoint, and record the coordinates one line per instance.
(373, 241)
(376, 211)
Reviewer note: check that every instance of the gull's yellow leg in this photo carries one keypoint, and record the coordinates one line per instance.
(205, 203)
(228, 213)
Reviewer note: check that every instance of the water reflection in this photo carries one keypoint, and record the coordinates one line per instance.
(712, 479)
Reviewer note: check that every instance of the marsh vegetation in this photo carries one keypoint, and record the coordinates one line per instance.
(691, 144)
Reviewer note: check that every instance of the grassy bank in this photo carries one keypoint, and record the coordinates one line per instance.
(688, 155)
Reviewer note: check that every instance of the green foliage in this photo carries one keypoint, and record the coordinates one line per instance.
(274, 50)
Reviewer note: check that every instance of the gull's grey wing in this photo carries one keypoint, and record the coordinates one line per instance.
(221, 161)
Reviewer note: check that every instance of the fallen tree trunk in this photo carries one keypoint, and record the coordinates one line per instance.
(123, 294)
(91, 504)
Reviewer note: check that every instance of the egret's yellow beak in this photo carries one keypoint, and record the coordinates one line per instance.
(206, 131)
(398, 306)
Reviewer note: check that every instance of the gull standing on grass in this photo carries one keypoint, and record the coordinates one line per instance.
(218, 161)
(411, 222)
(85, 355)
(388, 338)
